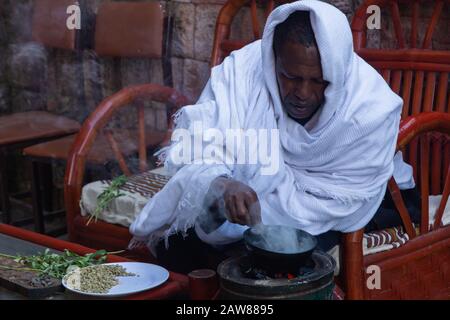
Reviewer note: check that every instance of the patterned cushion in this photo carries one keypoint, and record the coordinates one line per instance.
(136, 193)
(391, 238)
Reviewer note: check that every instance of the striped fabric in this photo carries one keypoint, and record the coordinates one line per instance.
(135, 194)
(146, 184)
(394, 237)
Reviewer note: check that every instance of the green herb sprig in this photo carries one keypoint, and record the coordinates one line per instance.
(109, 194)
(57, 265)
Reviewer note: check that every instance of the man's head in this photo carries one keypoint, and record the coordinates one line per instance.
(298, 67)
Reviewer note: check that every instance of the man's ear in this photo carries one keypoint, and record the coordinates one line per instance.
(274, 48)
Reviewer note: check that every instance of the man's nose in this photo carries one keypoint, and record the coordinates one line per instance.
(303, 91)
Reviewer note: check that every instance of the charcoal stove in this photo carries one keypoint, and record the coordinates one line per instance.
(313, 281)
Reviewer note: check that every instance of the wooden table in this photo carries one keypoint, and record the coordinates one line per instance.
(19, 241)
(21, 130)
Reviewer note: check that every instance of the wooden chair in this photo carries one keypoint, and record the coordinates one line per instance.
(139, 34)
(419, 269)
(122, 29)
(49, 29)
(102, 234)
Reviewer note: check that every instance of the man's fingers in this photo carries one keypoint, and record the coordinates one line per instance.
(231, 209)
(251, 196)
(241, 204)
(242, 211)
(254, 209)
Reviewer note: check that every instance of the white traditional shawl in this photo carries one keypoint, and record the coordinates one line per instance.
(331, 177)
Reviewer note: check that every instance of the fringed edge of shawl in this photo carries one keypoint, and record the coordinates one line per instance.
(152, 240)
(163, 153)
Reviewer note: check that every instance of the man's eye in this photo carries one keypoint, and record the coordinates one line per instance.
(289, 76)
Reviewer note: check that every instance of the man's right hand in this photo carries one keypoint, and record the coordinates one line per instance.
(237, 201)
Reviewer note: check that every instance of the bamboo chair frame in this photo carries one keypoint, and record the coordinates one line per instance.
(102, 234)
(406, 271)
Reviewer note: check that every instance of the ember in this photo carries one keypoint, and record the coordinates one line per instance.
(265, 274)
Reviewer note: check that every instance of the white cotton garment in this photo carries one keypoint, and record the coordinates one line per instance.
(331, 176)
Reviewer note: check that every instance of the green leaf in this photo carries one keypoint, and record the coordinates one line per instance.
(56, 264)
(107, 196)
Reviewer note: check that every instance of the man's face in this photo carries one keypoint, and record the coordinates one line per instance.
(300, 80)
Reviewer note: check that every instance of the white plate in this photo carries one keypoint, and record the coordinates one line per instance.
(148, 276)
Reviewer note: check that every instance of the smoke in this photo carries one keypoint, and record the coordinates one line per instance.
(279, 239)
(214, 213)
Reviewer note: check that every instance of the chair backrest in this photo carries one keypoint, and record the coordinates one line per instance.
(99, 120)
(49, 25)
(129, 29)
(415, 71)
(223, 44)
(412, 68)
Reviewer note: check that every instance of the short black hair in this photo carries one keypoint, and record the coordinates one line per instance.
(296, 28)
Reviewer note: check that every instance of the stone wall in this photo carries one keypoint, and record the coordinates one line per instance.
(4, 86)
(36, 78)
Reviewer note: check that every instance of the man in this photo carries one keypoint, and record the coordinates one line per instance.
(337, 121)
